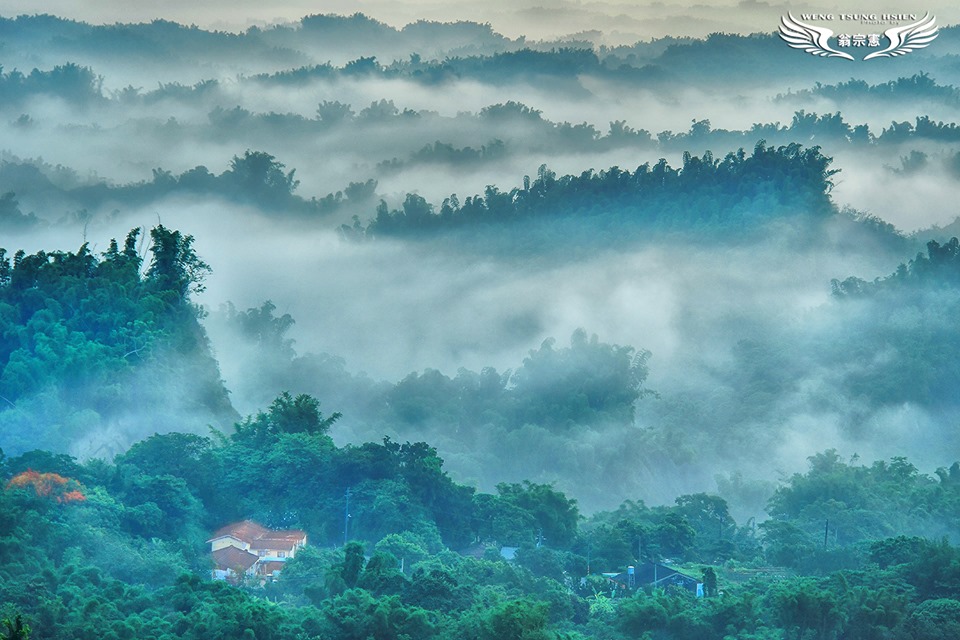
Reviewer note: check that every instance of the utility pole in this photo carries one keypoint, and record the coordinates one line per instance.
(346, 518)
(826, 530)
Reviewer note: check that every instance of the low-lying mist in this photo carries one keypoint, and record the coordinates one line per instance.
(755, 361)
(744, 378)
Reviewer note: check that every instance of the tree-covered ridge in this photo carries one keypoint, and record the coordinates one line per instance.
(501, 132)
(735, 192)
(463, 48)
(315, 36)
(909, 356)
(499, 68)
(559, 136)
(938, 268)
(79, 329)
(255, 178)
(920, 86)
(70, 82)
(837, 506)
(82, 87)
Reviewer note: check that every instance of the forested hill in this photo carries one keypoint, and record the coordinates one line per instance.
(733, 192)
(429, 52)
(97, 351)
(938, 269)
(255, 178)
(737, 193)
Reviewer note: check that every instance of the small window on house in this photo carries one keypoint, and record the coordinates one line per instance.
(282, 554)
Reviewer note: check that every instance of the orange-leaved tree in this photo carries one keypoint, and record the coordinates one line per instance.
(50, 485)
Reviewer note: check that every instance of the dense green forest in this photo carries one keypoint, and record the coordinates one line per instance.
(116, 550)
(90, 342)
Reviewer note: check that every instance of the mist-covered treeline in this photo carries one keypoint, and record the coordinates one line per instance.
(63, 195)
(729, 193)
(254, 178)
(733, 258)
(429, 107)
(93, 346)
(461, 48)
(583, 414)
(260, 179)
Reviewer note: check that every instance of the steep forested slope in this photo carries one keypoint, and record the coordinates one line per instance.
(94, 346)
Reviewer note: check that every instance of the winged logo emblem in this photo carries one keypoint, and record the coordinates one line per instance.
(813, 40)
(905, 39)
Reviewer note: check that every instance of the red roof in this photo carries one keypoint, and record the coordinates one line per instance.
(259, 537)
(232, 557)
(267, 568)
(270, 542)
(247, 530)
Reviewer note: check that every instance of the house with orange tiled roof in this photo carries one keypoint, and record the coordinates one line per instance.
(248, 548)
(232, 563)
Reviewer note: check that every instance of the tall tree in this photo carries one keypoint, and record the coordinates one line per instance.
(175, 266)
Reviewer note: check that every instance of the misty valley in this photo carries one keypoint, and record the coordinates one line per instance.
(330, 328)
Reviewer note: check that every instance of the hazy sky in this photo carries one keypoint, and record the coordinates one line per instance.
(620, 21)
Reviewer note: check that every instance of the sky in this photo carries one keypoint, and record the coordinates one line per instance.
(621, 22)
